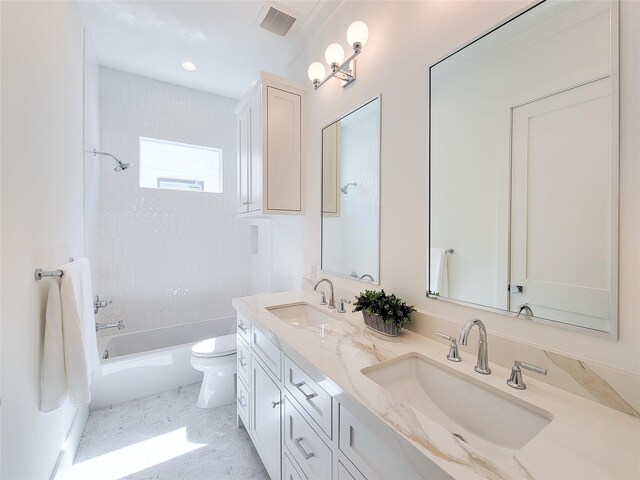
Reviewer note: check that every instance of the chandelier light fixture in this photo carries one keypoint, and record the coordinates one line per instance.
(344, 70)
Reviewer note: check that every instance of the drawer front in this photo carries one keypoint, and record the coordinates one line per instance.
(268, 352)
(305, 446)
(243, 404)
(345, 474)
(291, 471)
(244, 328)
(362, 443)
(311, 396)
(244, 361)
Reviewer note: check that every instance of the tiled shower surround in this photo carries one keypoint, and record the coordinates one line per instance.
(165, 257)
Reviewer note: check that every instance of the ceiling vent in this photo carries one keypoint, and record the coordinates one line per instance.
(277, 19)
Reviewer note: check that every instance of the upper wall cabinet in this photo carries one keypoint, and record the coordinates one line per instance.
(270, 148)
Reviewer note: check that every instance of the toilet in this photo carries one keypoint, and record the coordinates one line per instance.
(216, 358)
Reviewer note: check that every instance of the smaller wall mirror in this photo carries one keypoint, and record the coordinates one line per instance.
(351, 194)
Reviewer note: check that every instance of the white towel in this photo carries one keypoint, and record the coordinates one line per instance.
(53, 378)
(438, 275)
(70, 334)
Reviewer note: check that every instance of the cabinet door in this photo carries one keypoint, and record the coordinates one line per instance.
(244, 132)
(255, 158)
(283, 174)
(559, 244)
(265, 419)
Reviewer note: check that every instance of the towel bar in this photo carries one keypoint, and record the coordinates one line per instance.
(449, 251)
(39, 273)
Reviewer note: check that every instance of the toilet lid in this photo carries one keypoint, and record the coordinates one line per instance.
(215, 347)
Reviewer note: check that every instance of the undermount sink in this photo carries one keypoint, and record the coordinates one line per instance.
(301, 315)
(475, 413)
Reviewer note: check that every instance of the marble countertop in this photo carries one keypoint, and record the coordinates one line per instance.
(585, 440)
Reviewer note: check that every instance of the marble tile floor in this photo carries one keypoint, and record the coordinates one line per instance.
(165, 436)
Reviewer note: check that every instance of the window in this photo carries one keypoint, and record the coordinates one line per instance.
(180, 166)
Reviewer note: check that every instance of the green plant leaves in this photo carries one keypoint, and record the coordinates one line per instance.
(391, 308)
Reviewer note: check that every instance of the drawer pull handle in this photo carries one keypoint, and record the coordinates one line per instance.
(242, 401)
(274, 404)
(307, 396)
(306, 455)
(242, 327)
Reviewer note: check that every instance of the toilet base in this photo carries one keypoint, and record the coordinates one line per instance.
(217, 390)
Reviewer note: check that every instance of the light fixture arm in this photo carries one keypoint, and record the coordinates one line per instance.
(345, 71)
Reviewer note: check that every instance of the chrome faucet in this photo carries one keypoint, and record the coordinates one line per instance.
(101, 326)
(482, 365)
(524, 308)
(332, 302)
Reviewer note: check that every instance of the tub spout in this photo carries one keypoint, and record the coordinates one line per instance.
(101, 326)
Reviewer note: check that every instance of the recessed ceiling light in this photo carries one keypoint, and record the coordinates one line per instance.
(188, 66)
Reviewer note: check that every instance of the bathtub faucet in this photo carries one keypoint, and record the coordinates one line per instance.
(101, 326)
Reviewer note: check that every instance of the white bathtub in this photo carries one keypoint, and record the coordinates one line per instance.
(151, 361)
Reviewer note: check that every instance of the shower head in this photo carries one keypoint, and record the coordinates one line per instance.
(345, 189)
(120, 166)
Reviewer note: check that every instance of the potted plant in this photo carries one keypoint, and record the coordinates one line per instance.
(383, 313)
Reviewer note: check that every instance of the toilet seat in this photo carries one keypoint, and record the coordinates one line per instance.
(215, 347)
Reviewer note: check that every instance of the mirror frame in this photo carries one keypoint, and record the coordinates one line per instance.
(615, 182)
(379, 256)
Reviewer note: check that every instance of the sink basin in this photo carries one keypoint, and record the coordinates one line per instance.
(477, 414)
(301, 315)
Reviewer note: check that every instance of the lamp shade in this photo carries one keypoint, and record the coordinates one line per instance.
(316, 71)
(357, 33)
(334, 54)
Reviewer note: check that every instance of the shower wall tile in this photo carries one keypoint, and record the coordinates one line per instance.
(166, 257)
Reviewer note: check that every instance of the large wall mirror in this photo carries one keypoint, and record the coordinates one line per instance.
(351, 194)
(524, 167)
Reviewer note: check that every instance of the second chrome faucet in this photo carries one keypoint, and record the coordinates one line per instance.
(332, 301)
(482, 365)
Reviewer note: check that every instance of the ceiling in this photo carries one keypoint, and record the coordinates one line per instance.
(222, 38)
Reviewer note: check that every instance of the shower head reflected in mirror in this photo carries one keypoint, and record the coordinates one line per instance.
(345, 189)
(120, 166)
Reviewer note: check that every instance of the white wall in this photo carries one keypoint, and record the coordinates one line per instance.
(166, 257)
(42, 214)
(405, 38)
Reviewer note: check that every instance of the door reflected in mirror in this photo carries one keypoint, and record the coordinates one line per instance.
(351, 194)
(524, 167)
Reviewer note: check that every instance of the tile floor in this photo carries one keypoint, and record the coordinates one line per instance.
(166, 436)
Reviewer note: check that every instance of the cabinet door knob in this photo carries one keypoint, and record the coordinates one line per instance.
(275, 404)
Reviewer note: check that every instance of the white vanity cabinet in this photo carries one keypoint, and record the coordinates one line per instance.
(302, 432)
(270, 148)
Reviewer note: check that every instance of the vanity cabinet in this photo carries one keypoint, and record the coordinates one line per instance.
(270, 148)
(303, 432)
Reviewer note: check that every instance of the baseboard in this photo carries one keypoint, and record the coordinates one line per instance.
(70, 445)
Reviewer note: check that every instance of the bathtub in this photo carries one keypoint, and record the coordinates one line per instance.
(144, 363)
